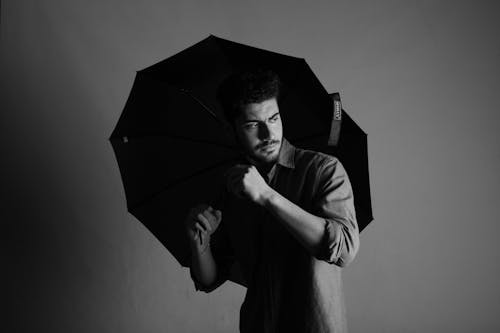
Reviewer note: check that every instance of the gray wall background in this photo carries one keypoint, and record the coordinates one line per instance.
(421, 77)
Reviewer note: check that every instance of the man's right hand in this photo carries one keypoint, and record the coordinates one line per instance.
(201, 223)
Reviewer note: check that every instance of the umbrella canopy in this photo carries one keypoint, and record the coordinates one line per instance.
(173, 144)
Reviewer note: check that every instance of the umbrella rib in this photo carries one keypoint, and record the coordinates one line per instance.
(188, 93)
(206, 108)
(179, 181)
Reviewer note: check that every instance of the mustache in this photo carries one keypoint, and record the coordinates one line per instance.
(267, 143)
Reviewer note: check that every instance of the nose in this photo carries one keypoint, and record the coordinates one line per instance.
(265, 132)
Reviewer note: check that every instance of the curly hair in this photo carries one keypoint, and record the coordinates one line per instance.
(246, 86)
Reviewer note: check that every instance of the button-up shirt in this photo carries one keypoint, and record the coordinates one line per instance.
(288, 289)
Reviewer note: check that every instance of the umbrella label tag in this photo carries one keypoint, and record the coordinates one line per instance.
(333, 140)
(337, 110)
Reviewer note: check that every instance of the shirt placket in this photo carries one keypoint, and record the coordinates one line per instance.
(265, 250)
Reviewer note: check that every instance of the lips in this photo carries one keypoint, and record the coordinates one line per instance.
(269, 146)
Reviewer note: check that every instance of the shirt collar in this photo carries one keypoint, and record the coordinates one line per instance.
(287, 154)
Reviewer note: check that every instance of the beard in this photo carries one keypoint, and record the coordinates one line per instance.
(265, 154)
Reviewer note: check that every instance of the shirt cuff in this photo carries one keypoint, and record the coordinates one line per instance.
(339, 244)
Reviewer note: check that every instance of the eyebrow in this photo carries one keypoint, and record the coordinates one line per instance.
(257, 120)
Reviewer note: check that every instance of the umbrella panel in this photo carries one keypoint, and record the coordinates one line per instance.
(151, 165)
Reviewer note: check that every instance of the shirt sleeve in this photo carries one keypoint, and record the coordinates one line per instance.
(334, 202)
(223, 256)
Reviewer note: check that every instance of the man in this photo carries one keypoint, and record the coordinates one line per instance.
(287, 220)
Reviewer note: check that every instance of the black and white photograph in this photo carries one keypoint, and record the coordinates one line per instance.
(275, 166)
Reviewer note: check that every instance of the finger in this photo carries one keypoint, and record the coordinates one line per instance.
(202, 220)
(218, 215)
(213, 212)
(209, 221)
(199, 229)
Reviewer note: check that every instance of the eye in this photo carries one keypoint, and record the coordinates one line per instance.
(249, 125)
(274, 118)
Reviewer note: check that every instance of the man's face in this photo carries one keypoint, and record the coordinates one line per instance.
(259, 131)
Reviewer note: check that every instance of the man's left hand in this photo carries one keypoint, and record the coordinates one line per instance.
(245, 181)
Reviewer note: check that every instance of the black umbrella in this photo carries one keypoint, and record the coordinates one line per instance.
(173, 145)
